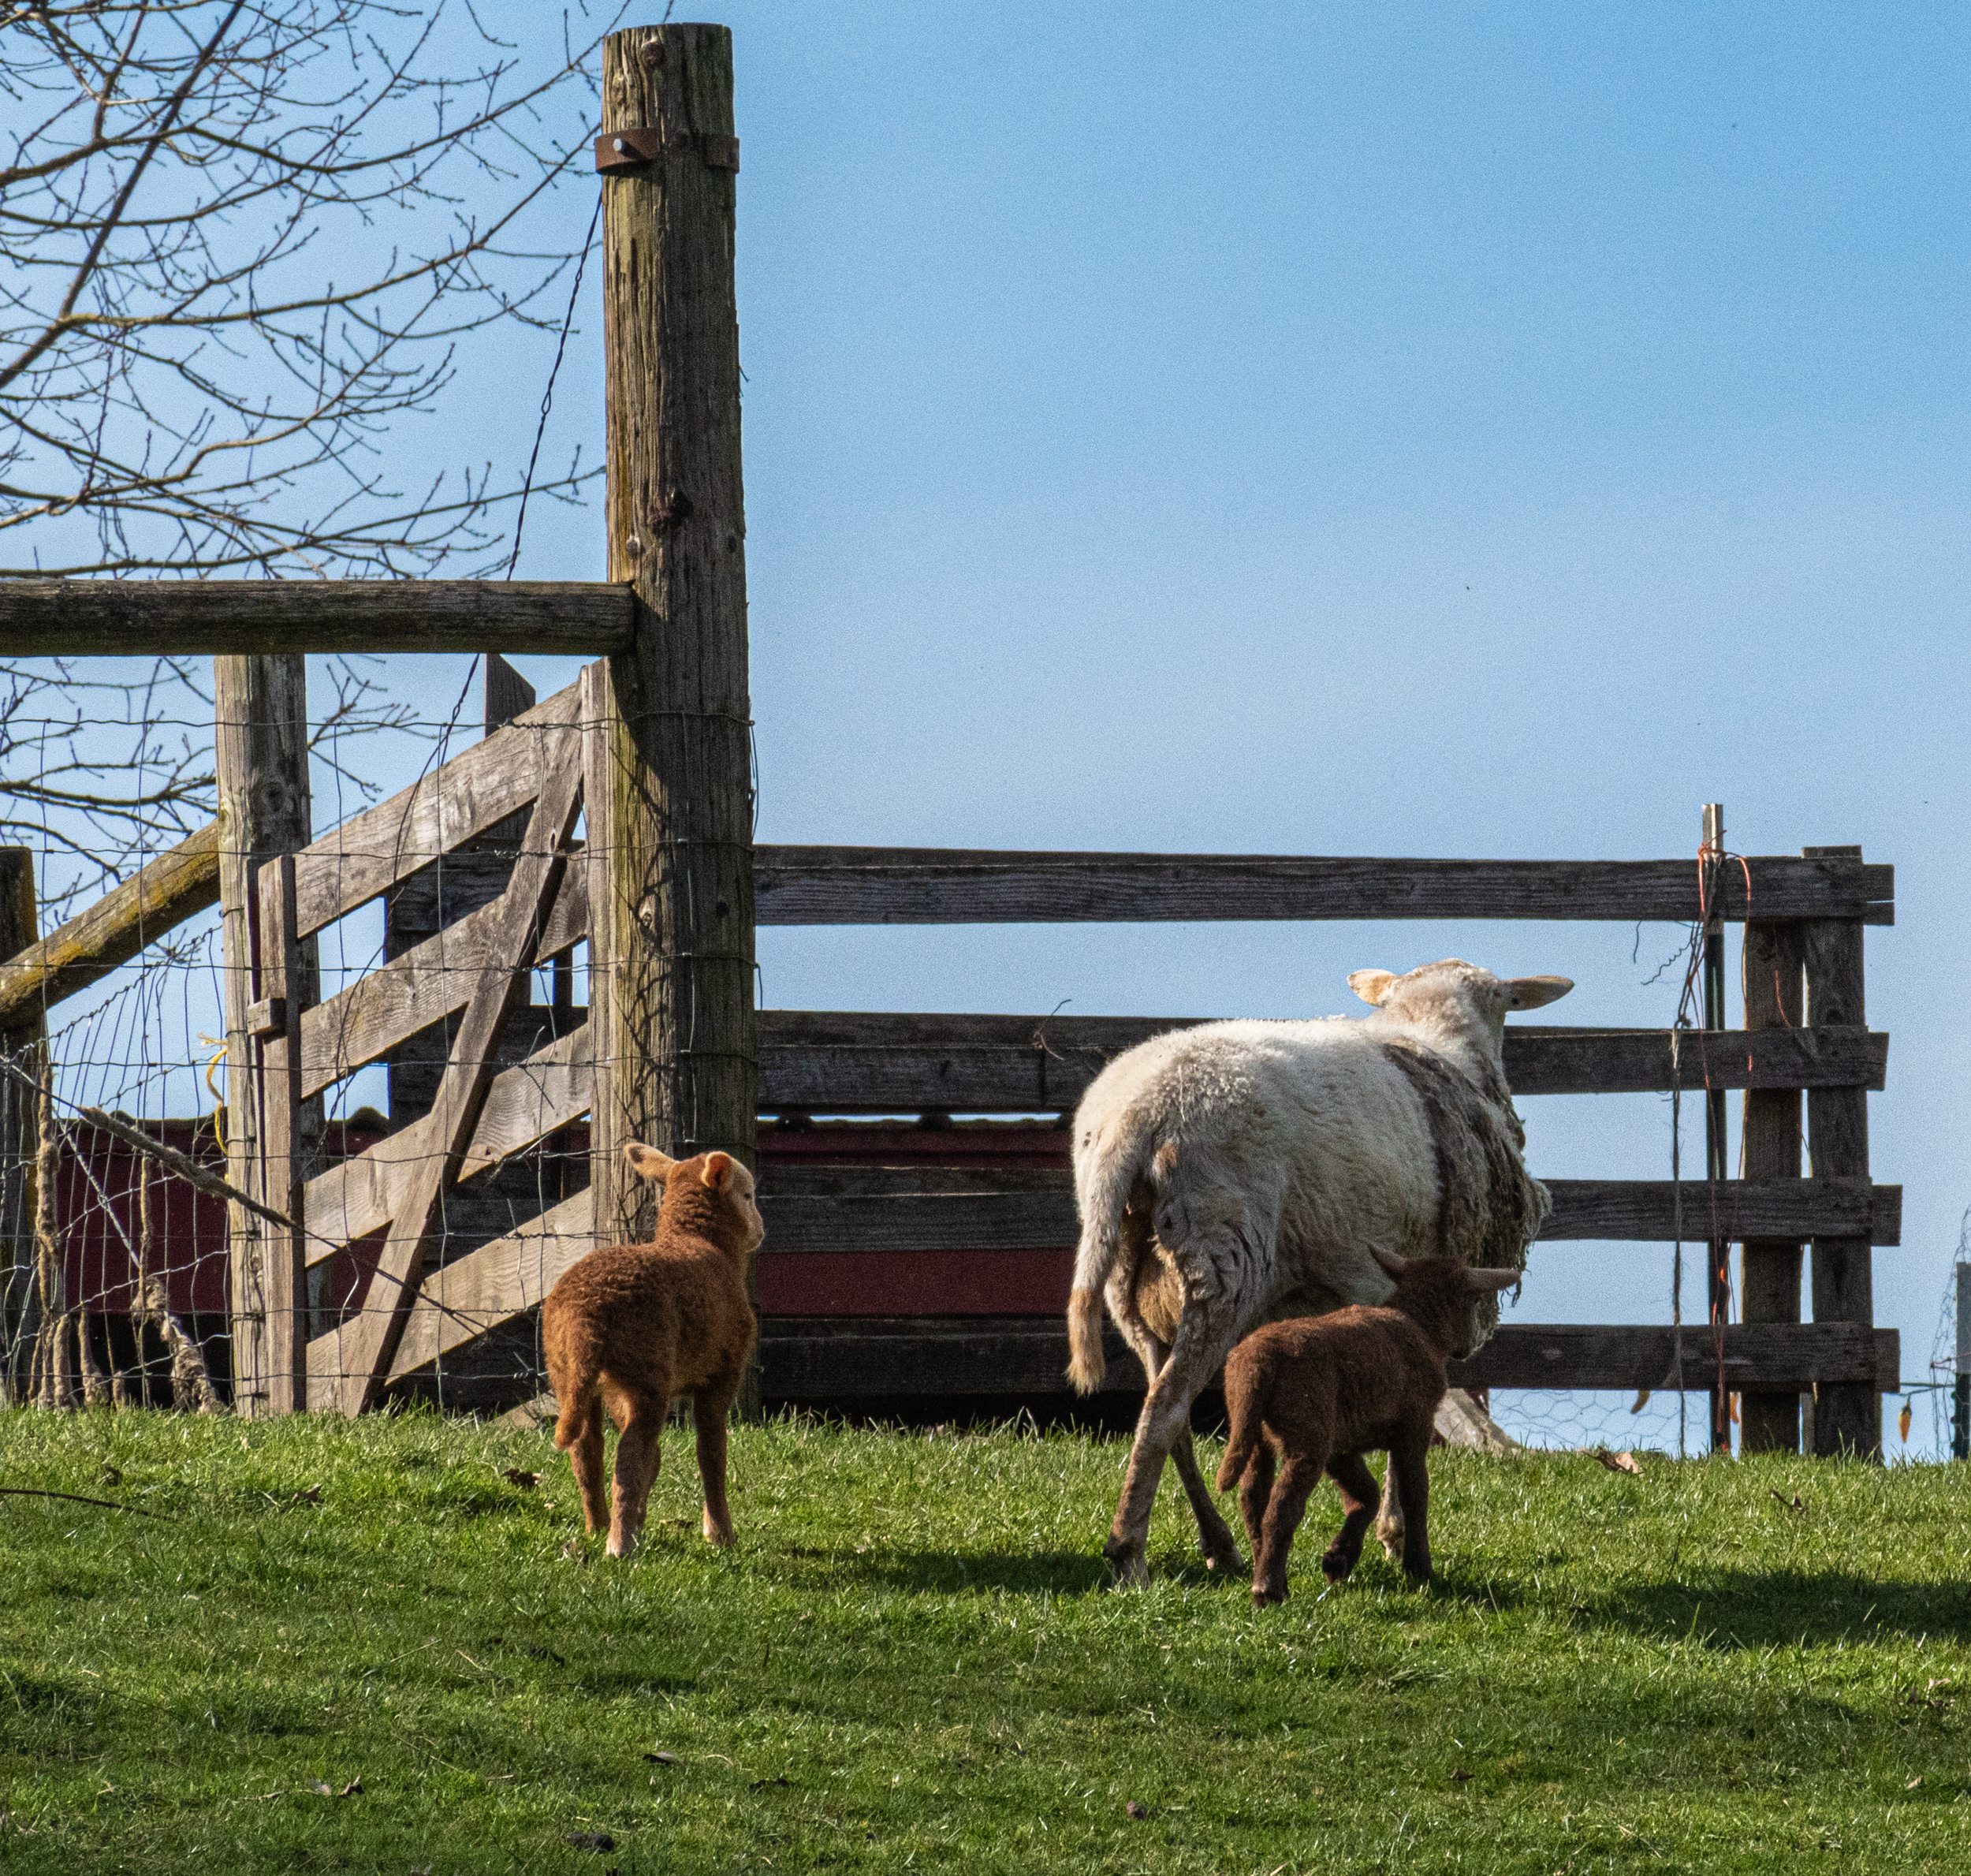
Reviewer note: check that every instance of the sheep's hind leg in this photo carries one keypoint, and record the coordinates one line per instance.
(1214, 1534)
(1359, 1498)
(1204, 1337)
(1255, 1488)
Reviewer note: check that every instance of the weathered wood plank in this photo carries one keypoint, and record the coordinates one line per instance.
(522, 1105)
(857, 1062)
(1769, 1268)
(368, 1345)
(416, 1066)
(423, 986)
(928, 885)
(368, 855)
(816, 1209)
(472, 1295)
(149, 618)
(809, 1359)
(173, 888)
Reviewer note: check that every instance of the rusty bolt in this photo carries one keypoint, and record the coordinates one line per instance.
(634, 547)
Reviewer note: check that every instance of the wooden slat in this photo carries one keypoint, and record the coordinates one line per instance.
(150, 618)
(812, 1359)
(473, 1295)
(423, 986)
(369, 854)
(416, 1066)
(856, 1062)
(173, 888)
(912, 1209)
(929, 885)
(368, 1345)
(522, 1105)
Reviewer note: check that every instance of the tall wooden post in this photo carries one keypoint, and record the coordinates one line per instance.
(668, 795)
(1847, 1418)
(1769, 1288)
(261, 721)
(23, 1046)
(1718, 1285)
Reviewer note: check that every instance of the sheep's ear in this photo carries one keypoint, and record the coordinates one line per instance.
(1530, 993)
(719, 1169)
(1372, 986)
(1483, 1279)
(1395, 1265)
(647, 1161)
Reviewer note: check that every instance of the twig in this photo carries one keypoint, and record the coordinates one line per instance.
(135, 1510)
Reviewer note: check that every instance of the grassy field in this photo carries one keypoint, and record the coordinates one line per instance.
(364, 1647)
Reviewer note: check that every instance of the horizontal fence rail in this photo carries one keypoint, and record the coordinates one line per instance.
(858, 1208)
(931, 885)
(75, 618)
(821, 1359)
(830, 1062)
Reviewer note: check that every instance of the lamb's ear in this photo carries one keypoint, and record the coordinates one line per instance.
(1372, 986)
(647, 1161)
(719, 1168)
(1530, 993)
(1483, 1279)
(1395, 1265)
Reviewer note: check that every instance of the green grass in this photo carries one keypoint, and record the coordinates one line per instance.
(910, 1662)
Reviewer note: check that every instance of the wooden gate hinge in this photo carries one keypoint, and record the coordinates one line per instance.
(620, 150)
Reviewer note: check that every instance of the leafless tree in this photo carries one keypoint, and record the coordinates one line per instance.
(242, 243)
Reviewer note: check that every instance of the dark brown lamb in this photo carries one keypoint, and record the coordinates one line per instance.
(1313, 1395)
(629, 1328)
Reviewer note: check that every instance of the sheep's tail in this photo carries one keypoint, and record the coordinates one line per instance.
(1242, 1441)
(1103, 1192)
(572, 1422)
(574, 1370)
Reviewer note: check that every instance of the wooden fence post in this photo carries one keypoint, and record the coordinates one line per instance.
(261, 721)
(1847, 1418)
(668, 799)
(1769, 1287)
(24, 1044)
(1718, 1276)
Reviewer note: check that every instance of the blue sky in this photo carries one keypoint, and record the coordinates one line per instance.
(1451, 430)
(1459, 431)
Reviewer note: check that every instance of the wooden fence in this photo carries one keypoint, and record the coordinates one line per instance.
(367, 1286)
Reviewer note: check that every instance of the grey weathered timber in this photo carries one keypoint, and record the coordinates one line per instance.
(815, 1358)
(1845, 1418)
(1769, 1268)
(473, 1295)
(368, 855)
(23, 1041)
(423, 986)
(522, 1105)
(367, 1346)
(853, 1061)
(260, 733)
(671, 806)
(180, 882)
(237, 618)
(816, 1209)
(929, 886)
(289, 1147)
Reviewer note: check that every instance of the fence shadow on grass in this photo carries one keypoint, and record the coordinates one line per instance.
(1753, 1609)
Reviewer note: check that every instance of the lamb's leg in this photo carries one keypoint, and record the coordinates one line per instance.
(1204, 1336)
(710, 1407)
(637, 1457)
(1288, 1505)
(1255, 1488)
(1214, 1534)
(1359, 1497)
(1409, 1462)
(586, 1456)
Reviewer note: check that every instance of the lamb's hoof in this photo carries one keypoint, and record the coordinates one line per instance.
(1264, 1594)
(1336, 1565)
(1126, 1563)
(1223, 1559)
(720, 1537)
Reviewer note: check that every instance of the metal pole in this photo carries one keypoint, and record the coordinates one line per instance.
(1714, 1103)
(1961, 1387)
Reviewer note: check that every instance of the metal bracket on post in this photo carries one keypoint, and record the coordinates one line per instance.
(618, 151)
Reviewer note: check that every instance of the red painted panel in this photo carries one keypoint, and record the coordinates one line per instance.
(916, 1283)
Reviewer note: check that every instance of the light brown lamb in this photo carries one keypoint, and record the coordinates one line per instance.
(631, 1327)
(1312, 1395)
